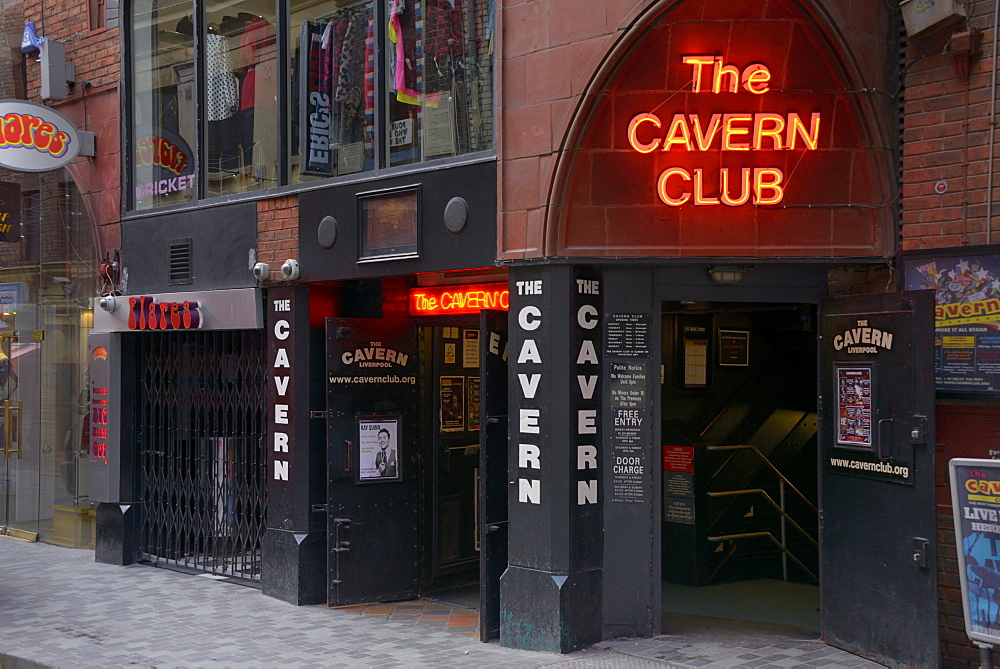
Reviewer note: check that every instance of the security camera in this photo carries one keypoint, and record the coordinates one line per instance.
(108, 303)
(261, 271)
(290, 269)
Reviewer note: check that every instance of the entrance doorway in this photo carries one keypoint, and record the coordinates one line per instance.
(739, 435)
(439, 386)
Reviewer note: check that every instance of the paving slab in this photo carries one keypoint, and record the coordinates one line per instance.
(59, 608)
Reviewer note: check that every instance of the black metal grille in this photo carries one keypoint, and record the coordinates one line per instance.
(201, 428)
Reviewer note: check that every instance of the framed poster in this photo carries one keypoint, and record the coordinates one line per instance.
(378, 452)
(451, 392)
(854, 408)
(966, 285)
(472, 405)
(734, 348)
(975, 494)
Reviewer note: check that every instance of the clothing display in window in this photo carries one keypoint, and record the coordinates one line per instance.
(220, 82)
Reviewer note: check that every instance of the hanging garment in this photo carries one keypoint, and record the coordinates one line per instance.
(257, 47)
(220, 82)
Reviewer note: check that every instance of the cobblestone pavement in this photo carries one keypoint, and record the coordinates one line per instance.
(59, 608)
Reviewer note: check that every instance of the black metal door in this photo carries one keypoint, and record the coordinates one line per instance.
(492, 469)
(877, 553)
(373, 478)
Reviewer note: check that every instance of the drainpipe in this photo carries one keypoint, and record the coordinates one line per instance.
(993, 127)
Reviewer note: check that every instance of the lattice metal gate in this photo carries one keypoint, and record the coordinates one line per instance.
(201, 401)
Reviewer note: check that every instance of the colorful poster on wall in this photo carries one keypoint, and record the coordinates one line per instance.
(854, 407)
(975, 492)
(472, 404)
(966, 316)
(452, 395)
(378, 453)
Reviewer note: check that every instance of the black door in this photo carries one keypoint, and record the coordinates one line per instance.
(372, 460)
(877, 556)
(492, 469)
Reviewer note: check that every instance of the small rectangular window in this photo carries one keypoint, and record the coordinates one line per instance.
(98, 14)
(389, 226)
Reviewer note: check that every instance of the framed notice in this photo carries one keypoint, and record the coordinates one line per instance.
(378, 451)
(451, 392)
(734, 348)
(854, 408)
(388, 225)
(975, 494)
(470, 348)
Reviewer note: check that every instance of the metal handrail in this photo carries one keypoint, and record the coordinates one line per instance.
(749, 535)
(751, 447)
(770, 501)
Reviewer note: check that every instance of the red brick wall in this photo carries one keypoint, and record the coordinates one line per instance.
(277, 231)
(946, 140)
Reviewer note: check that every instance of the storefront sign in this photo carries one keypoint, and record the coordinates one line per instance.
(975, 491)
(728, 130)
(99, 423)
(966, 317)
(35, 138)
(466, 299)
(10, 212)
(147, 314)
(279, 398)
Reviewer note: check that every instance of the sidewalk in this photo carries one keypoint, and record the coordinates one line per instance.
(59, 608)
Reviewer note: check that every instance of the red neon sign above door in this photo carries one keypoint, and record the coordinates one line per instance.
(465, 299)
(734, 131)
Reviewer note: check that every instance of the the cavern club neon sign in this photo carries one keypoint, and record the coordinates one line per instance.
(731, 131)
(466, 299)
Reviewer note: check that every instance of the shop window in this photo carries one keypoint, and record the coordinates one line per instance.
(163, 103)
(206, 118)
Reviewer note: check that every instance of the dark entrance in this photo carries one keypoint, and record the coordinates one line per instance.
(200, 404)
(739, 435)
(879, 563)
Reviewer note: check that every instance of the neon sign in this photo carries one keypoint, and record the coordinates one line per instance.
(736, 131)
(99, 423)
(147, 314)
(466, 299)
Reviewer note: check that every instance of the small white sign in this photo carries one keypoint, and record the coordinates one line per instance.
(401, 133)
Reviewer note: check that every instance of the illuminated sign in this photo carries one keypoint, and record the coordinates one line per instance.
(100, 353)
(734, 131)
(466, 299)
(99, 423)
(147, 314)
(35, 138)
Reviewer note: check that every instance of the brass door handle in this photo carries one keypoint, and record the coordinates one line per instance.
(11, 429)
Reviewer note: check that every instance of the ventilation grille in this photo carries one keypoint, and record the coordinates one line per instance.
(180, 262)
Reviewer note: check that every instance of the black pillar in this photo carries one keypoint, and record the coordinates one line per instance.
(551, 593)
(293, 565)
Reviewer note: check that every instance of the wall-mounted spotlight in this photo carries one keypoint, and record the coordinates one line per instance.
(727, 275)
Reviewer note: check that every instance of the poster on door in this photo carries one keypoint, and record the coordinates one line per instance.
(975, 490)
(378, 455)
(854, 407)
(451, 392)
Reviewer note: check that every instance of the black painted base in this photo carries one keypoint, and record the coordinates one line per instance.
(117, 533)
(293, 566)
(540, 610)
